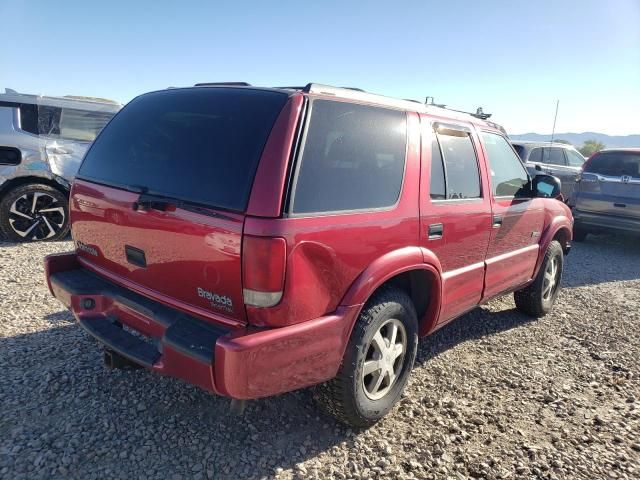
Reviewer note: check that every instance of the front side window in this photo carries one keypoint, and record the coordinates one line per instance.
(574, 158)
(520, 150)
(508, 175)
(460, 164)
(553, 156)
(437, 188)
(353, 158)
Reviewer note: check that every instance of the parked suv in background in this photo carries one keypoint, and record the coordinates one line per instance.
(557, 159)
(42, 141)
(270, 239)
(607, 195)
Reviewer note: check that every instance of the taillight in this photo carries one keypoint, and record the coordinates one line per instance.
(263, 270)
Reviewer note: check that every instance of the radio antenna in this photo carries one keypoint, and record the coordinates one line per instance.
(553, 130)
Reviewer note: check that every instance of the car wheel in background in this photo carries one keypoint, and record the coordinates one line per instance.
(377, 362)
(34, 212)
(538, 298)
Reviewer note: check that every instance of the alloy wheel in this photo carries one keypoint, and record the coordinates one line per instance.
(36, 216)
(550, 281)
(384, 359)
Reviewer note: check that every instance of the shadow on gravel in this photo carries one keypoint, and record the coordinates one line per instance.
(59, 317)
(602, 258)
(476, 324)
(7, 244)
(136, 424)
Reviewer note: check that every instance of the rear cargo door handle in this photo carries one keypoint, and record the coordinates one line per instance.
(435, 231)
(497, 221)
(135, 256)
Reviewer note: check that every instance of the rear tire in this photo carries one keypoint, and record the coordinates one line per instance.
(377, 361)
(538, 298)
(34, 212)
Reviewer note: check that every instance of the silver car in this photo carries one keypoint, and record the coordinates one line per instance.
(558, 159)
(42, 142)
(607, 194)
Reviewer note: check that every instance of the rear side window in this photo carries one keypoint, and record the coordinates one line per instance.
(553, 156)
(198, 144)
(508, 175)
(615, 164)
(460, 164)
(63, 123)
(29, 118)
(81, 125)
(574, 158)
(353, 158)
(535, 155)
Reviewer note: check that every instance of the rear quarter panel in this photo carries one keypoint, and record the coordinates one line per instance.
(327, 253)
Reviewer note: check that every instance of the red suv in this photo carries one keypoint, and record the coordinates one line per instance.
(254, 241)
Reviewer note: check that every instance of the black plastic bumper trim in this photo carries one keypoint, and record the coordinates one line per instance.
(120, 341)
(188, 335)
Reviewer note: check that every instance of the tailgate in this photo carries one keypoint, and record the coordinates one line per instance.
(195, 151)
(610, 184)
(609, 195)
(180, 257)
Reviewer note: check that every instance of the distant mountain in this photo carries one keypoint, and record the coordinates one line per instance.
(577, 139)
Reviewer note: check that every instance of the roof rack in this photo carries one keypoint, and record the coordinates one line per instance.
(479, 113)
(222, 84)
(360, 94)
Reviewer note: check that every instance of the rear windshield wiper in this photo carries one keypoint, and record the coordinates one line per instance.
(151, 201)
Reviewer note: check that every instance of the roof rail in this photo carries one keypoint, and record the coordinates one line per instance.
(222, 84)
(359, 94)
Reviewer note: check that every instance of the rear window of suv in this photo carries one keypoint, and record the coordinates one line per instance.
(199, 144)
(615, 164)
(353, 158)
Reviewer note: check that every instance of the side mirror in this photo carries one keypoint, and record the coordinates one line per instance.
(546, 186)
(538, 168)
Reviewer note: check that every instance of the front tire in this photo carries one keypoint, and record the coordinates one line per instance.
(538, 298)
(377, 362)
(34, 212)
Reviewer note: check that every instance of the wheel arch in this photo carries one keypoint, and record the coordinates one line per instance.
(560, 230)
(33, 179)
(414, 270)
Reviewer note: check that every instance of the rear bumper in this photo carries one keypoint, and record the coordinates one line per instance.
(605, 223)
(243, 363)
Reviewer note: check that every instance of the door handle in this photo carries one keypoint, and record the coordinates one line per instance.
(497, 221)
(435, 231)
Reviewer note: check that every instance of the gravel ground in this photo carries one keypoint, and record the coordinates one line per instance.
(494, 395)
